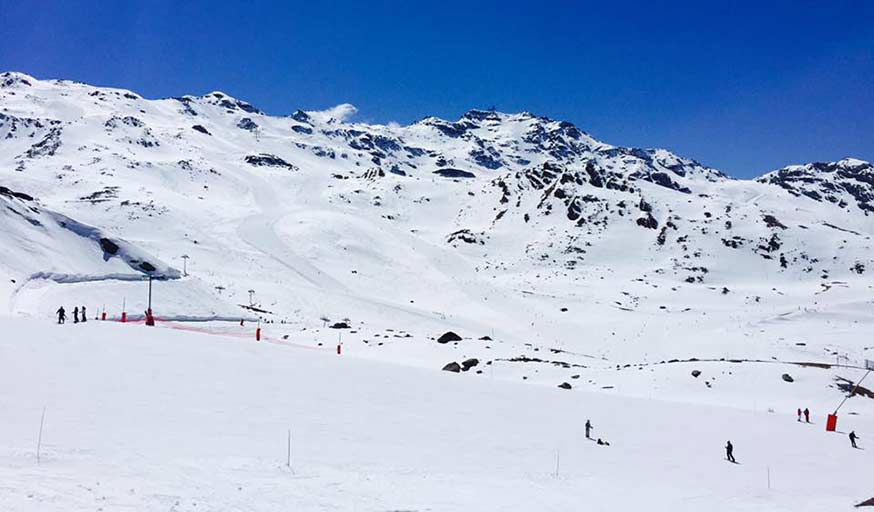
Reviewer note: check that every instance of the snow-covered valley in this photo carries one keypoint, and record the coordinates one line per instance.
(656, 296)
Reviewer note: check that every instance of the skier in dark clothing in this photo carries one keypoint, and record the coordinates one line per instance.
(729, 452)
(807, 415)
(853, 438)
(76, 315)
(799, 414)
(84, 315)
(62, 315)
(588, 429)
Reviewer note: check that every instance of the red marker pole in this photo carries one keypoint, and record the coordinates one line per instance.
(258, 332)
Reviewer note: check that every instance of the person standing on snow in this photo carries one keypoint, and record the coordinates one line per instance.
(807, 415)
(84, 315)
(729, 452)
(799, 414)
(853, 438)
(62, 315)
(76, 315)
(588, 429)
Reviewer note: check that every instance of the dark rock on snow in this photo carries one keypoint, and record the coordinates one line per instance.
(469, 363)
(447, 337)
(452, 367)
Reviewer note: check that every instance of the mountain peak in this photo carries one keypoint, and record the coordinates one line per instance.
(13, 78)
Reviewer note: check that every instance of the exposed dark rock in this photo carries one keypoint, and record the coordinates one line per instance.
(452, 367)
(772, 222)
(787, 378)
(340, 325)
(467, 364)
(454, 173)
(465, 236)
(696, 373)
(145, 266)
(565, 385)
(247, 124)
(108, 246)
(265, 159)
(447, 337)
(201, 129)
(648, 222)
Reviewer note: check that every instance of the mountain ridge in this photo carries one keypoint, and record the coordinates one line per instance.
(322, 215)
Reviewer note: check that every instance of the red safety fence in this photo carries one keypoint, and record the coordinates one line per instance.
(240, 333)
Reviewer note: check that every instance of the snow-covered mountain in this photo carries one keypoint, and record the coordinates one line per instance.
(554, 259)
(511, 226)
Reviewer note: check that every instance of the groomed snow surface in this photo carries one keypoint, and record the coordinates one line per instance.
(140, 418)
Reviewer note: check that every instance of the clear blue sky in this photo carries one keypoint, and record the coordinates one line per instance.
(746, 88)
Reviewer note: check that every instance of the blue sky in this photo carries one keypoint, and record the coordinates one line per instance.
(743, 87)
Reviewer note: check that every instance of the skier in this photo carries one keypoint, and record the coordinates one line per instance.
(807, 415)
(84, 315)
(588, 429)
(799, 414)
(853, 438)
(729, 452)
(62, 315)
(76, 315)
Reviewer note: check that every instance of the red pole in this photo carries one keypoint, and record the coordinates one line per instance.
(338, 348)
(123, 317)
(258, 334)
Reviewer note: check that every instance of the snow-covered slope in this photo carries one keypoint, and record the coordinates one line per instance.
(516, 228)
(134, 418)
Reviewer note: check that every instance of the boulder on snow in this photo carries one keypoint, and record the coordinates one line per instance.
(565, 385)
(696, 373)
(469, 363)
(447, 337)
(452, 367)
(788, 378)
(340, 325)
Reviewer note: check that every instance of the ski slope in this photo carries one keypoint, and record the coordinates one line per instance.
(158, 419)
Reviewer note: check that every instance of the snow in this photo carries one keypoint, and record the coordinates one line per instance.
(741, 280)
(157, 419)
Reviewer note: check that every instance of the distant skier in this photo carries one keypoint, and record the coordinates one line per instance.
(799, 414)
(62, 315)
(729, 452)
(84, 315)
(76, 315)
(853, 438)
(807, 415)
(588, 429)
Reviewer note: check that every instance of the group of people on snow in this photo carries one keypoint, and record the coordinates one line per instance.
(806, 413)
(77, 314)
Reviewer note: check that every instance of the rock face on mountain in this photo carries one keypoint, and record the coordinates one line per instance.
(844, 183)
(490, 203)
